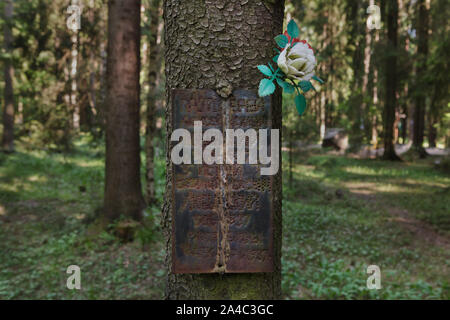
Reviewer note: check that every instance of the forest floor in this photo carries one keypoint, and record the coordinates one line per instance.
(339, 215)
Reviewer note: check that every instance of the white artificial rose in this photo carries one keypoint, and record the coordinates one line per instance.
(297, 61)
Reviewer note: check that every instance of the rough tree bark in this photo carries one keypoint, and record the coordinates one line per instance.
(123, 194)
(154, 68)
(8, 109)
(422, 52)
(391, 81)
(217, 45)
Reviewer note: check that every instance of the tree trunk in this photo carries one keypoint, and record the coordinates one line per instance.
(422, 52)
(217, 45)
(291, 151)
(154, 68)
(123, 194)
(391, 81)
(374, 120)
(323, 106)
(8, 110)
(433, 120)
(365, 80)
(74, 87)
(324, 88)
(356, 26)
(102, 106)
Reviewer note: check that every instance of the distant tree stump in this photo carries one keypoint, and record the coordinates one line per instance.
(336, 138)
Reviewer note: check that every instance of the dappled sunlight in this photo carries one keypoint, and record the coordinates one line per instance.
(80, 216)
(364, 188)
(37, 178)
(90, 164)
(412, 183)
(387, 187)
(361, 170)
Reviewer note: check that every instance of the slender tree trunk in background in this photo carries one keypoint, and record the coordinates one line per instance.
(440, 89)
(8, 109)
(103, 87)
(154, 67)
(330, 102)
(374, 120)
(368, 63)
(374, 136)
(217, 45)
(396, 124)
(74, 87)
(432, 123)
(391, 81)
(422, 52)
(403, 91)
(291, 151)
(323, 90)
(93, 65)
(434, 112)
(316, 100)
(82, 78)
(323, 106)
(365, 79)
(92, 94)
(409, 107)
(356, 41)
(439, 69)
(19, 118)
(123, 194)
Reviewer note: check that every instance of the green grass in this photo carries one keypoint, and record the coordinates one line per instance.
(46, 225)
(338, 218)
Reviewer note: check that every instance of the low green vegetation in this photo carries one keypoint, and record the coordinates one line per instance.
(339, 216)
(342, 215)
(49, 203)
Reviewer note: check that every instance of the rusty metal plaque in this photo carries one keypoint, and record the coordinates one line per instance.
(222, 213)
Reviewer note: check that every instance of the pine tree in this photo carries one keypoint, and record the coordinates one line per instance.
(8, 109)
(391, 80)
(154, 67)
(123, 194)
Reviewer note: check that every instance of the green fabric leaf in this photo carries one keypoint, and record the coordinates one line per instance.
(265, 70)
(305, 85)
(275, 59)
(287, 87)
(300, 104)
(292, 29)
(266, 87)
(281, 40)
(318, 79)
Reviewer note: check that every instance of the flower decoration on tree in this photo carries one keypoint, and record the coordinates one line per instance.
(295, 67)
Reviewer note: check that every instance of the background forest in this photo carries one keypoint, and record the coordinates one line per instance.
(366, 169)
